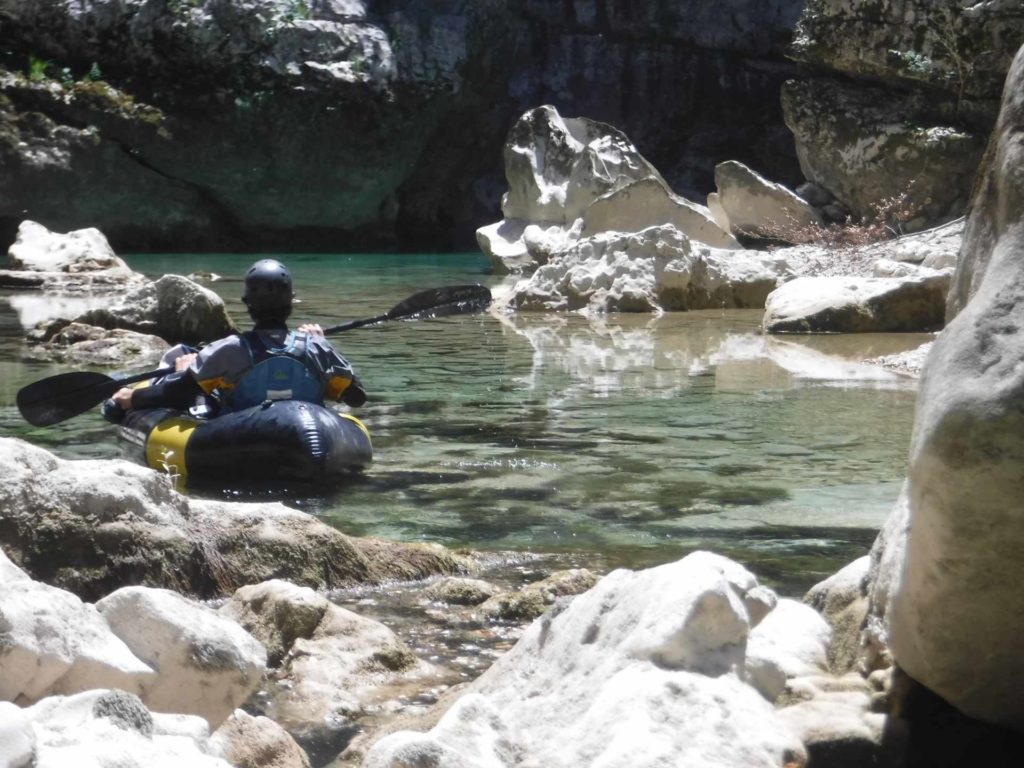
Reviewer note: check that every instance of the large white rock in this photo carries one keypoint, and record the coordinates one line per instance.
(658, 268)
(111, 729)
(207, 664)
(957, 617)
(857, 304)
(17, 739)
(650, 203)
(37, 249)
(644, 669)
(758, 207)
(557, 166)
(52, 642)
(791, 641)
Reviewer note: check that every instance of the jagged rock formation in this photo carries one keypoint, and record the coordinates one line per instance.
(907, 90)
(204, 123)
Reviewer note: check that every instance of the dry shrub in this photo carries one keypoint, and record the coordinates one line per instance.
(884, 222)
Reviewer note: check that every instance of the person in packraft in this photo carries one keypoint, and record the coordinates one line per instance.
(265, 364)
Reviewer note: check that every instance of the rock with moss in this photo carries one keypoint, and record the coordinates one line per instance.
(455, 590)
(93, 526)
(946, 45)
(173, 308)
(335, 674)
(868, 148)
(531, 601)
(245, 741)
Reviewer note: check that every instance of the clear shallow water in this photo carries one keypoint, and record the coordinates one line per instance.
(620, 443)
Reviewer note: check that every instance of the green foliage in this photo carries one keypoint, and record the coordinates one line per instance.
(295, 10)
(94, 73)
(37, 69)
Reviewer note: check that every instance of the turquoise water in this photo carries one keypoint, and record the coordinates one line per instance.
(626, 442)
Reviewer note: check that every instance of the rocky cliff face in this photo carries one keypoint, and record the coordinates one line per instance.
(347, 123)
(903, 96)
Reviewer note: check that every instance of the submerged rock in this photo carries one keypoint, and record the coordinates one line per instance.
(92, 345)
(94, 526)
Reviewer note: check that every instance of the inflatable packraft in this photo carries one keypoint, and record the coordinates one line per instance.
(276, 441)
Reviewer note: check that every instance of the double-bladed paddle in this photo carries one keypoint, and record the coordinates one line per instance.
(58, 398)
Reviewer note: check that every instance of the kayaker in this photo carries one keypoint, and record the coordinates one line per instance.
(266, 363)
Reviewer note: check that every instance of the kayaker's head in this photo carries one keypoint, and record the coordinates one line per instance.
(268, 292)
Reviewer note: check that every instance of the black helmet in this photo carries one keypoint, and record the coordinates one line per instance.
(268, 291)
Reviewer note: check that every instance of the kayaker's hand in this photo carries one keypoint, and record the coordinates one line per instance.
(311, 329)
(182, 363)
(123, 397)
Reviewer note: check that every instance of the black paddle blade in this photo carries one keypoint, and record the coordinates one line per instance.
(440, 302)
(54, 399)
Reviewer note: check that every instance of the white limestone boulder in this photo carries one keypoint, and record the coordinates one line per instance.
(37, 249)
(207, 664)
(643, 669)
(113, 729)
(174, 308)
(756, 207)
(791, 641)
(557, 169)
(957, 617)
(17, 739)
(76, 263)
(657, 269)
(857, 305)
(838, 729)
(650, 203)
(52, 642)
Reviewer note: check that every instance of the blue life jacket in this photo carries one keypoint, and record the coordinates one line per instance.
(278, 373)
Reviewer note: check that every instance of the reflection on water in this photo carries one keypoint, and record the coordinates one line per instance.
(627, 441)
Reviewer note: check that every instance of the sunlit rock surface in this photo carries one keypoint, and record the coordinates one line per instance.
(76, 263)
(857, 305)
(658, 268)
(755, 206)
(245, 741)
(113, 729)
(208, 664)
(957, 616)
(646, 668)
(576, 177)
(52, 642)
